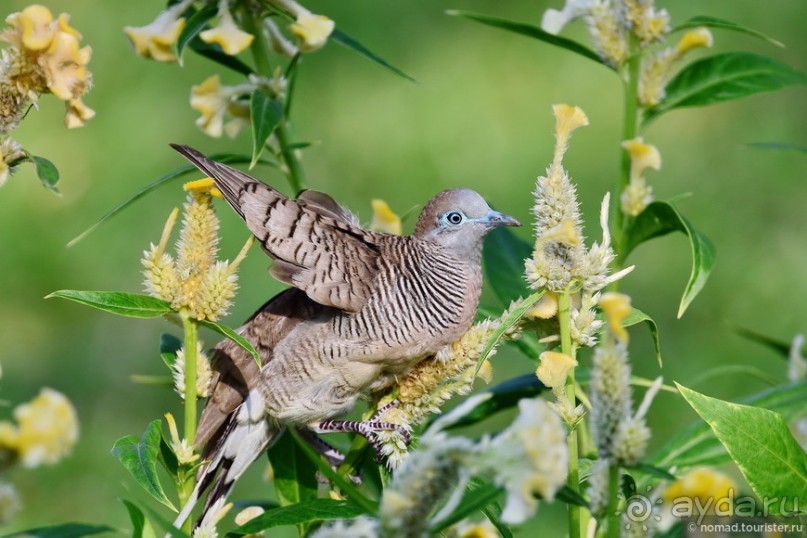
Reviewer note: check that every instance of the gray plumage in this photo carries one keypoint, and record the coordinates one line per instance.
(364, 308)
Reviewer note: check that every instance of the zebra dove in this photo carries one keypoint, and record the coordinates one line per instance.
(364, 308)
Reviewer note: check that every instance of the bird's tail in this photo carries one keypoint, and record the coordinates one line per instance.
(248, 434)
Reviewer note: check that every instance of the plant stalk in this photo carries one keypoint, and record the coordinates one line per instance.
(294, 169)
(564, 317)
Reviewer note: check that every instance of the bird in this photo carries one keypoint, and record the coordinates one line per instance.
(363, 308)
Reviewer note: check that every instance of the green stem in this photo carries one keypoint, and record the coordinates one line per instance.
(259, 47)
(613, 500)
(564, 317)
(294, 169)
(191, 332)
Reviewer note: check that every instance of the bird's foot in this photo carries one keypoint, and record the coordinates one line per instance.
(383, 409)
(367, 429)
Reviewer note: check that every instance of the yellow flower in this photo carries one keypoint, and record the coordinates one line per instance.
(699, 37)
(638, 194)
(47, 429)
(312, 31)
(554, 368)
(384, 219)
(213, 100)
(181, 447)
(157, 40)
(608, 33)
(616, 307)
(702, 483)
(227, 34)
(34, 25)
(65, 66)
(77, 113)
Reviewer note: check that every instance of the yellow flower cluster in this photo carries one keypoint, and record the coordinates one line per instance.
(45, 432)
(638, 194)
(214, 100)
(44, 56)
(657, 68)
(194, 282)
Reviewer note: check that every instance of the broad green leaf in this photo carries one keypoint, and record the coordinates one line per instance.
(294, 475)
(193, 25)
(266, 113)
(512, 317)
(714, 22)
(782, 348)
(724, 77)
(124, 304)
(139, 456)
(696, 445)
(214, 53)
(169, 346)
(232, 335)
(761, 445)
(530, 31)
(295, 514)
(503, 396)
(503, 259)
(47, 172)
(141, 528)
(475, 499)
(345, 40)
(64, 530)
(661, 218)
(227, 158)
(637, 316)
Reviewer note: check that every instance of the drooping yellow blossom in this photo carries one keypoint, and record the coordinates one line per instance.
(312, 31)
(657, 68)
(46, 430)
(616, 307)
(699, 37)
(702, 483)
(157, 40)
(227, 34)
(45, 56)
(384, 219)
(638, 194)
(554, 368)
(194, 282)
(213, 100)
(181, 447)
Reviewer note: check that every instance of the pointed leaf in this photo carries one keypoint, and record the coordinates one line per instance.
(47, 172)
(64, 530)
(141, 528)
(140, 459)
(193, 25)
(530, 31)
(169, 346)
(714, 22)
(266, 113)
(294, 476)
(761, 445)
(637, 316)
(213, 52)
(503, 259)
(295, 514)
(494, 513)
(512, 317)
(345, 40)
(724, 77)
(291, 76)
(661, 218)
(782, 348)
(124, 304)
(232, 335)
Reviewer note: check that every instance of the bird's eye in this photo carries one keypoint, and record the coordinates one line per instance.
(455, 217)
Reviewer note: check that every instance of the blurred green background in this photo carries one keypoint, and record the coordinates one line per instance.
(479, 117)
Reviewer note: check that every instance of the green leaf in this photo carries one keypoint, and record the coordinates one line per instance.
(570, 496)
(761, 445)
(778, 146)
(502, 396)
(193, 25)
(227, 158)
(714, 22)
(291, 76)
(345, 40)
(141, 528)
(266, 113)
(140, 459)
(213, 52)
(651, 470)
(530, 31)
(294, 475)
(169, 346)
(475, 499)
(63, 530)
(724, 77)
(124, 304)
(696, 445)
(494, 513)
(503, 259)
(295, 514)
(637, 316)
(47, 172)
(512, 317)
(661, 218)
(232, 335)
(167, 457)
(167, 526)
(782, 348)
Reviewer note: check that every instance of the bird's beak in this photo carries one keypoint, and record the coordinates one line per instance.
(494, 219)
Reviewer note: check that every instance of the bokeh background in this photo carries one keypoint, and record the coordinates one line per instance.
(479, 116)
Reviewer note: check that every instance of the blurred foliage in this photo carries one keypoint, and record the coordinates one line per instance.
(476, 117)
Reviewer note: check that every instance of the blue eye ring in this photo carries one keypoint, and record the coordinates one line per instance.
(454, 218)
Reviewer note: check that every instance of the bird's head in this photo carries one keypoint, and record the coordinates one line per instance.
(459, 219)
